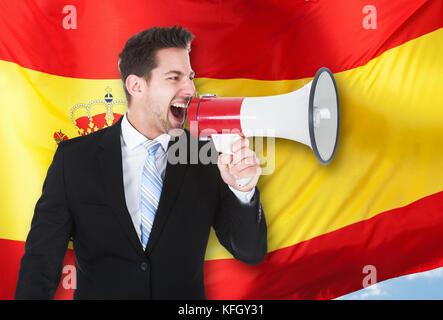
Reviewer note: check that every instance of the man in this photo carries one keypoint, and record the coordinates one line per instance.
(140, 224)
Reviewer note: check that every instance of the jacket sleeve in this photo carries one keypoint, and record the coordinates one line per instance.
(47, 241)
(241, 228)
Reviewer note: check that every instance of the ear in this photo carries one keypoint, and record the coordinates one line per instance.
(134, 85)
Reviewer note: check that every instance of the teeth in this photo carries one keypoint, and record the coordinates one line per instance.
(179, 105)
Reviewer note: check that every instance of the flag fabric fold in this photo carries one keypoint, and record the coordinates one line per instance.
(378, 203)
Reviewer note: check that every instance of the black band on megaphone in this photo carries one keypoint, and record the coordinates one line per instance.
(311, 115)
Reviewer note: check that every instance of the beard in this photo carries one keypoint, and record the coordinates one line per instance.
(177, 130)
(166, 126)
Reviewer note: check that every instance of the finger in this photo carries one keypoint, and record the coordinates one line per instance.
(244, 154)
(239, 144)
(251, 184)
(224, 159)
(244, 171)
(251, 160)
(224, 168)
(249, 172)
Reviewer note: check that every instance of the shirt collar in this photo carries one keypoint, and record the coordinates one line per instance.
(133, 138)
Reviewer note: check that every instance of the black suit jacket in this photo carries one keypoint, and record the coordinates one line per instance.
(83, 199)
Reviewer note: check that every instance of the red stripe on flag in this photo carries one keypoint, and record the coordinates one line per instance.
(396, 242)
(11, 253)
(288, 40)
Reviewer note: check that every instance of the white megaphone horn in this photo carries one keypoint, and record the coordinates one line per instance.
(310, 115)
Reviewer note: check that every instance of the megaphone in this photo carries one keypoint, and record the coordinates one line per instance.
(310, 115)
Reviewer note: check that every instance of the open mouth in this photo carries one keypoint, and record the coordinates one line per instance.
(178, 110)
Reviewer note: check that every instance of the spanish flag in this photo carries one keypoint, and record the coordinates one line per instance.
(379, 203)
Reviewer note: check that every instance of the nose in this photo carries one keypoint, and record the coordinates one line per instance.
(188, 89)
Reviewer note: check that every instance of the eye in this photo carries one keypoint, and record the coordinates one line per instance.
(175, 78)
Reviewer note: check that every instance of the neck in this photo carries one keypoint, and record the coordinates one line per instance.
(142, 123)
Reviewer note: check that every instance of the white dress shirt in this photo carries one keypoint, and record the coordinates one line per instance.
(133, 157)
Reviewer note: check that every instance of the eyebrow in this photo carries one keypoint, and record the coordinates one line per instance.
(192, 73)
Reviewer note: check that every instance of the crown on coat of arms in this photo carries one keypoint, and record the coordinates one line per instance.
(97, 114)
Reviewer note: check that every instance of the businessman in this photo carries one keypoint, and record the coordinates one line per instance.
(139, 222)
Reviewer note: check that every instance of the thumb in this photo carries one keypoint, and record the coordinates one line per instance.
(223, 160)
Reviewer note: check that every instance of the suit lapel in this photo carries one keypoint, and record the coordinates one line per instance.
(171, 186)
(110, 160)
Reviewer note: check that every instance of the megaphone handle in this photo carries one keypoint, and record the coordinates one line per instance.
(223, 144)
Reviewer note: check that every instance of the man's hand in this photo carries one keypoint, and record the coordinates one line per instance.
(244, 164)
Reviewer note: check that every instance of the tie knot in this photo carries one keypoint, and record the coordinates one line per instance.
(152, 146)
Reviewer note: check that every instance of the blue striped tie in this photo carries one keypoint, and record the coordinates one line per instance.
(151, 188)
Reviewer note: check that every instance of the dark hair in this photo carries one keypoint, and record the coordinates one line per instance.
(138, 55)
